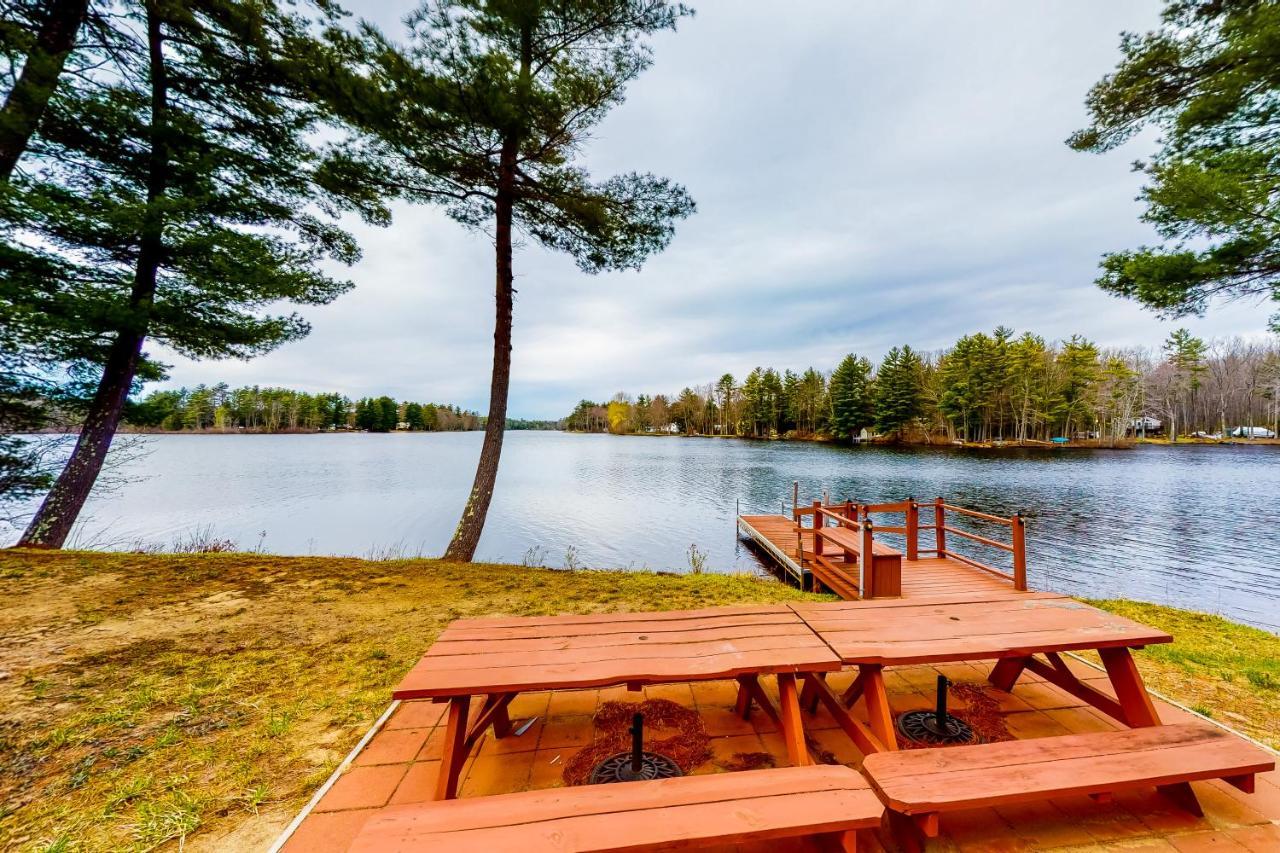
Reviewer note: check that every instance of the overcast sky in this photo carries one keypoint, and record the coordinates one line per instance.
(867, 174)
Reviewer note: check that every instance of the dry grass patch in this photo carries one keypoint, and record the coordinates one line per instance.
(1218, 668)
(147, 699)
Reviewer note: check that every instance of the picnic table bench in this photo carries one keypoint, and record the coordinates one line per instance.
(499, 658)
(688, 811)
(873, 634)
(925, 782)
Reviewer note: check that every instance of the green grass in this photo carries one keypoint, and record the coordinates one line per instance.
(155, 697)
(1218, 668)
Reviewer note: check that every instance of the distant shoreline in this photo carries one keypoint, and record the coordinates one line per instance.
(943, 444)
(995, 446)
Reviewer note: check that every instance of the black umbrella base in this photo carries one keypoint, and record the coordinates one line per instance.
(923, 727)
(618, 768)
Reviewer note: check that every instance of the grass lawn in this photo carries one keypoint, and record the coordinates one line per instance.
(1223, 670)
(150, 698)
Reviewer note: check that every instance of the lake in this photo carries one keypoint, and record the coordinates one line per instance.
(1197, 527)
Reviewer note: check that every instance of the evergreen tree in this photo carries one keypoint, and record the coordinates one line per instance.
(899, 390)
(728, 415)
(488, 118)
(852, 397)
(366, 415)
(1078, 367)
(754, 403)
(1209, 81)
(386, 414)
(44, 34)
(1027, 375)
(174, 201)
(1185, 354)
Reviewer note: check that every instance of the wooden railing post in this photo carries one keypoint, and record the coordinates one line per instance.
(939, 527)
(913, 529)
(1019, 553)
(795, 499)
(866, 557)
(818, 521)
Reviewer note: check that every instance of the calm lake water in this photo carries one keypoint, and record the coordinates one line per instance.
(1195, 526)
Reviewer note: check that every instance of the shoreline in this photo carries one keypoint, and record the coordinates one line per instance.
(943, 444)
(996, 446)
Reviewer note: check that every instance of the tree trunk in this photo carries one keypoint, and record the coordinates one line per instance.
(467, 535)
(26, 103)
(57, 514)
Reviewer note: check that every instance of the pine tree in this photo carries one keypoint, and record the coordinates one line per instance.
(1078, 377)
(175, 202)
(852, 396)
(44, 33)
(1208, 81)
(487, 119)
(899, 390)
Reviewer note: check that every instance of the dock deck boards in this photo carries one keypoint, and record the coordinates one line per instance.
(928, 576)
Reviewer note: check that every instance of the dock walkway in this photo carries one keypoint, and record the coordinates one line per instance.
(934, 572)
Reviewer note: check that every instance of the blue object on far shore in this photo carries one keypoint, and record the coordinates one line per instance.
(1060, 440)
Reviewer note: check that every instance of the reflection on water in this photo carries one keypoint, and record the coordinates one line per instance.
(1192, 526)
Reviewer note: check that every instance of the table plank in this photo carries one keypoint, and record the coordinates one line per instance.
(483, 656)
(908, 632)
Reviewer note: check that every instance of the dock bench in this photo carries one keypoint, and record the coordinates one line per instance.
(881, 574)
(921, 784)
(688, 811)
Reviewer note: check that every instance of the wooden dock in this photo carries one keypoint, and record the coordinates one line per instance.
(826, 552)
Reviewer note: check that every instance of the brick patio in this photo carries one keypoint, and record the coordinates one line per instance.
(399, 764)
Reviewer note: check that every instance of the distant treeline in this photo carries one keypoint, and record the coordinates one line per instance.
(257, 409)
(986, 387)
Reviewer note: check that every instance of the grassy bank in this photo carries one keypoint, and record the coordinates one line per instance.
(146, 698)
(1218, 668)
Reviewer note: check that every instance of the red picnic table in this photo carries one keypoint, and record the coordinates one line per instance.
(873, 634)
(500, 658)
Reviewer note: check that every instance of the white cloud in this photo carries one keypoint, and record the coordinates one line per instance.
(867, 174)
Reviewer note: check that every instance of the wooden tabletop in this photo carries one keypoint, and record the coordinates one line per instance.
(915, 630)
(487, 656)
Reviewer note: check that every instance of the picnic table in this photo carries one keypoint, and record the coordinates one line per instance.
(873, 634)
(499, 658)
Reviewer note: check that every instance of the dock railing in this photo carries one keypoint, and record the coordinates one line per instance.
(1017, 544)
(858, 517)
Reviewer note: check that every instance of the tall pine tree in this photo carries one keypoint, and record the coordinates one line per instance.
(899, 390)
(852, 397)
(487, 118)
(171, 199)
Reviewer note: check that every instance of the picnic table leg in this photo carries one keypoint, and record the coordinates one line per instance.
(809, 693)
(792, 727)
(878, 713)
(455, 751)
(1140, 711)
(1132, 693)
(1006, 673)
(855, 690)
(859, 732)
(492, 713)
(742, 707)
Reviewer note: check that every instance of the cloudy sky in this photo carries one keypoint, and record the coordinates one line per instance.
(867, 174)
